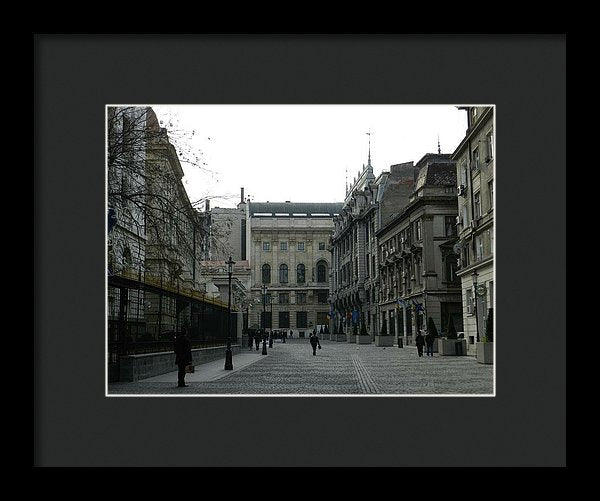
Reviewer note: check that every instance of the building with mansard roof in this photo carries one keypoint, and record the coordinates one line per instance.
(417, 254)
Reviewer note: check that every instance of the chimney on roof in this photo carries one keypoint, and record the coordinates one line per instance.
(207, 205)
(242, 195)
(287, 202)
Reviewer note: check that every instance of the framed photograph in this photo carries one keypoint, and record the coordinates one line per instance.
(357, 237)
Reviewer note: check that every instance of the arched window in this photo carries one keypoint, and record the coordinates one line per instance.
(300, 274)
(266, 274)
(283, 274)
(321, 272)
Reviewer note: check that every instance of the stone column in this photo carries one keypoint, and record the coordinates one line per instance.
(428, 255)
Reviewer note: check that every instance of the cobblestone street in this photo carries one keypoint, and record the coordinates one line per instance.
(337, 369)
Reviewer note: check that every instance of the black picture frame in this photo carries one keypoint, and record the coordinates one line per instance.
(75, 76)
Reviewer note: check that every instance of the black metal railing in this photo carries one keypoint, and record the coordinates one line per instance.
(146, 347)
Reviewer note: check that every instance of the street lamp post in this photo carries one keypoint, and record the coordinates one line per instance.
(271, 331)
(228, 356)
(264, 347)
(474, 275)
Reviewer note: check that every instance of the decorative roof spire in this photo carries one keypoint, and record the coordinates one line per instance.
(439, 149)
(369, 134)
(346, 180)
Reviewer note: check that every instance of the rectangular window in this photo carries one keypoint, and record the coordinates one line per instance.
(477, 202)
(368, 267)
(489, 142)
(475, 162)
(301, 319)
(301, 297)
(321, 245)
(284, 319)
(418, 230)
(450, 226)
(491, 193)
(322, 297)
(266, 246)
(283, 246)
(265, 319)
(463, 175)
(469, 300)
(301, 246)
(284, 298)
(478, 248)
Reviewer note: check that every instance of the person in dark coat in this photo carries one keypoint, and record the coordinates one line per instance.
(183, 355)
(257, 337)
(250, 340)
(314, 342)
(420, 341)
(429, 338)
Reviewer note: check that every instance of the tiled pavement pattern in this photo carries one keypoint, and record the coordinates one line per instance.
(365, 381)
(337, 369)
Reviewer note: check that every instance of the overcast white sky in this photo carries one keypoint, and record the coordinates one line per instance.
(301, 152)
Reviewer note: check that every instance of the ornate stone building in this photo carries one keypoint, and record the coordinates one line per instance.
(157, 238)
(417, 256)
(370, 202)
(475, 164)
(287, 245)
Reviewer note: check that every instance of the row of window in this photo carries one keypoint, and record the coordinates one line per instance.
(300, 273)
(266, 246)
(265, 319)
(284, 297)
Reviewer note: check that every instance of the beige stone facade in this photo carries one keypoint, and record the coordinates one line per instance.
(475, 167)
(288, 248)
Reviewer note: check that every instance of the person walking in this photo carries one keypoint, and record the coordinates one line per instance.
(250, 340)
(314, 342)
(429, 339)
(183, 355)
(420, 341)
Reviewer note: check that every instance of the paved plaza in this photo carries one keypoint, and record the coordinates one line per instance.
(338, 369)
